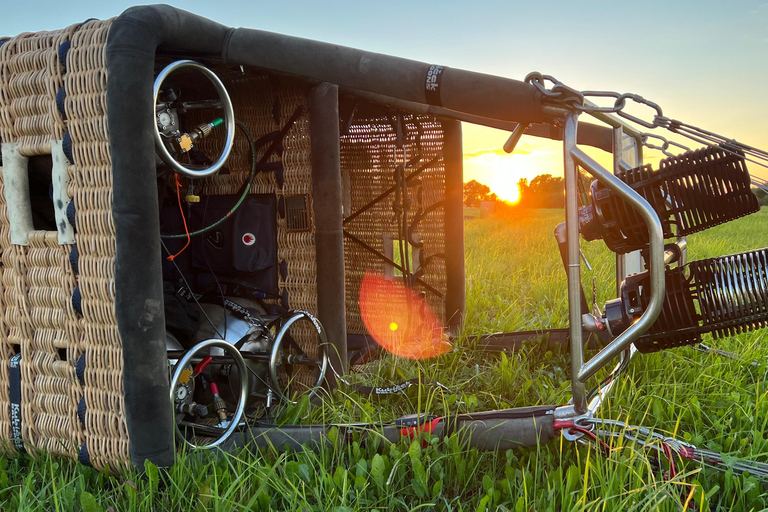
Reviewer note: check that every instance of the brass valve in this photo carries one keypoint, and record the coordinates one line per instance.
(186, 141)
(218, 404)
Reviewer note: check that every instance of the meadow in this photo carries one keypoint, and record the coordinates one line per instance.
(515, 281)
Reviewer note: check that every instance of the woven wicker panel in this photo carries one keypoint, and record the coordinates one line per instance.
(37, 280)
(31, 75)
(9, 306)
(367, 157)
(51, 390)
(106, 434)
(265, 105)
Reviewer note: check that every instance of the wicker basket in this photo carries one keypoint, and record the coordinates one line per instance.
(58, 299)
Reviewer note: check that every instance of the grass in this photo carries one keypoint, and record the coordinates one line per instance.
(514, 282)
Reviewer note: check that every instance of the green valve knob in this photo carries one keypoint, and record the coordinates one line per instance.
(216, 122)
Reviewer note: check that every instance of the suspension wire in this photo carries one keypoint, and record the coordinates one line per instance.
(190, 289)
(650, 439)
(568, 97)
(706, 138)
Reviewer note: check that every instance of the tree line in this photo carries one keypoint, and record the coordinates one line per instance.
(543, 191)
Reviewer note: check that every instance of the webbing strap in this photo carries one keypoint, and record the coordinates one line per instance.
(432, 85)
(15, 397)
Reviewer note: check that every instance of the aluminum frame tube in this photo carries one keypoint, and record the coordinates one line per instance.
(589, 134)
(573, 267)
(630, 263)
(655, 264)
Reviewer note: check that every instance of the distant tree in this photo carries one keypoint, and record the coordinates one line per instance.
(522, 188)
(475, 193)
(543, 191)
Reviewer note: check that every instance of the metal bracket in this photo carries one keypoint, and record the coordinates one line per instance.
(581, 370)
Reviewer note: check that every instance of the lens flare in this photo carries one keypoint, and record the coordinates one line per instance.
(400, 320)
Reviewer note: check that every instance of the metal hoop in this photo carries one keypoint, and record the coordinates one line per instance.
(229, 120)
(239, 411)
(275, 358)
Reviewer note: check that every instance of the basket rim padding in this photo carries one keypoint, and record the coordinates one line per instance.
(134, 39)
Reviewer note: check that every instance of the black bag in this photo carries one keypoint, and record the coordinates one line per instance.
(241, 251)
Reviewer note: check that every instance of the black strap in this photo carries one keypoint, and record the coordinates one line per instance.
(432, 85)
(15, 396)
(389, 390)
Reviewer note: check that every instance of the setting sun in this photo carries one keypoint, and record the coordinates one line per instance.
(486, 161)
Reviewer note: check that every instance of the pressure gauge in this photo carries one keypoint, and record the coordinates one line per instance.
(164, 119)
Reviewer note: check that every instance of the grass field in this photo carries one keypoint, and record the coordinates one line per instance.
(514, 282)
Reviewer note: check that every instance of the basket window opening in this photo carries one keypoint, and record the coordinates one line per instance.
(393, 253)
(40, 169)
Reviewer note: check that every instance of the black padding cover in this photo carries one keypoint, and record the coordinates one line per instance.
(133, 41)
(243, 249)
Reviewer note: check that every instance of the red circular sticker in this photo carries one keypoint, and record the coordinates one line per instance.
(249, 239)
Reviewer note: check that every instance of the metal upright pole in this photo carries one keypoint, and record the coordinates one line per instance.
(574, 263)
(455, 294)
(327, 201)
(630, 263)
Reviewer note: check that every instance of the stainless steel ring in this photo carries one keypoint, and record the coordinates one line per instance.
(274, 358)
(239, 411)
(229, 120)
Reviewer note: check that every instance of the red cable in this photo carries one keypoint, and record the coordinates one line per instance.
(181, 209)
(673, 472)
(605, 449)
(668, 453)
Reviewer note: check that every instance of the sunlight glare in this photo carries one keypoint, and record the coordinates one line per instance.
(400, 320)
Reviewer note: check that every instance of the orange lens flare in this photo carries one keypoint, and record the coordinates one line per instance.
(400, 320)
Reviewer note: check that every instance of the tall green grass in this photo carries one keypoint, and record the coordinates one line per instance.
(514, 282)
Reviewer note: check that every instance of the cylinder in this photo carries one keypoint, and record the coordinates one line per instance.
(327, 204)
(454, 225)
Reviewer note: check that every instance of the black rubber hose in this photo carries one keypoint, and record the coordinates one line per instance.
(243, 190)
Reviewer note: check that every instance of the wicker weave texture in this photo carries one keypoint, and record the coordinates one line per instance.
(38, 280)
(106, 434)
(368, 155)
(31, 75)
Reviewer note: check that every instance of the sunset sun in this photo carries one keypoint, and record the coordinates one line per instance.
(486, 161)
(507, 190)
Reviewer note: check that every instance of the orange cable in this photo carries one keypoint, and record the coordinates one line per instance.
(181, 209)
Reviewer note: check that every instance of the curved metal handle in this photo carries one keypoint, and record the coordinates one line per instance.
(656, 263)
(239, 411)
(275, 356)
(229, 119)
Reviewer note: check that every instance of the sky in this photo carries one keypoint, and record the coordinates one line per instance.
(704, 62)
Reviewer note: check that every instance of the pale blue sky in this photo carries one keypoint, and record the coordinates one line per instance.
(704, 62)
